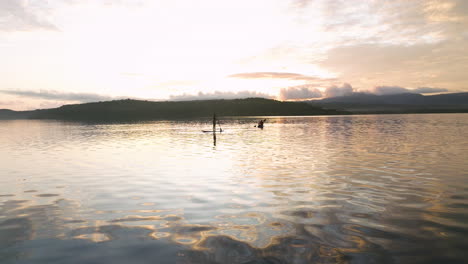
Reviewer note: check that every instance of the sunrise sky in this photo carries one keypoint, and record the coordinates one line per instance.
(55, 52)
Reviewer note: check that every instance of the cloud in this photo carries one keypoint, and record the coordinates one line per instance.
(300, 3)
(56, 95)
(276, 75)
(10, 103)
(428, 90)
(333, 91)
(414, 43)
(218, 95)
(19, 15)
(441, 64)
(387, 90)
(299, 92)
(402, 21)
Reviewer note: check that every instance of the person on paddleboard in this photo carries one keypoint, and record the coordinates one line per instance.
(214, 124)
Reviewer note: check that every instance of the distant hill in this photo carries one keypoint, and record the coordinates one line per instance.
(10, 114)
(148, 110)
(397, 103)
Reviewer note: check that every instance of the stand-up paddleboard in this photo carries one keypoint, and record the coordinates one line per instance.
(214, 126)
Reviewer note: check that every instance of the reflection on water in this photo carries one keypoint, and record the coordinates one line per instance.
(350, 189)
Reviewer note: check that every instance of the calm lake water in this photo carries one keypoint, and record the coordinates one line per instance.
(330, 189)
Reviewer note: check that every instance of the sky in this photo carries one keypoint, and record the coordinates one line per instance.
(55, 52)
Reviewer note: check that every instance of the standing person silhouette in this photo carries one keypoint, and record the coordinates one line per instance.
(214, 122)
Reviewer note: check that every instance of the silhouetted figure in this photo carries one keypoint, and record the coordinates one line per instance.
(214, 122)
(260, 123)
(214, 129)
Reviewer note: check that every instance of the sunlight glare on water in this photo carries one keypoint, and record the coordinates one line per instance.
(330, 189)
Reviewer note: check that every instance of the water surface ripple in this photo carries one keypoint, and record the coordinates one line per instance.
(341, 189)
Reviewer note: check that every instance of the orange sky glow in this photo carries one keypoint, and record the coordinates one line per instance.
(59, 52)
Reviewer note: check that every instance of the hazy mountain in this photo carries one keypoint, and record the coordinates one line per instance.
(397, 103)
(10, 114)
(147, 110)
